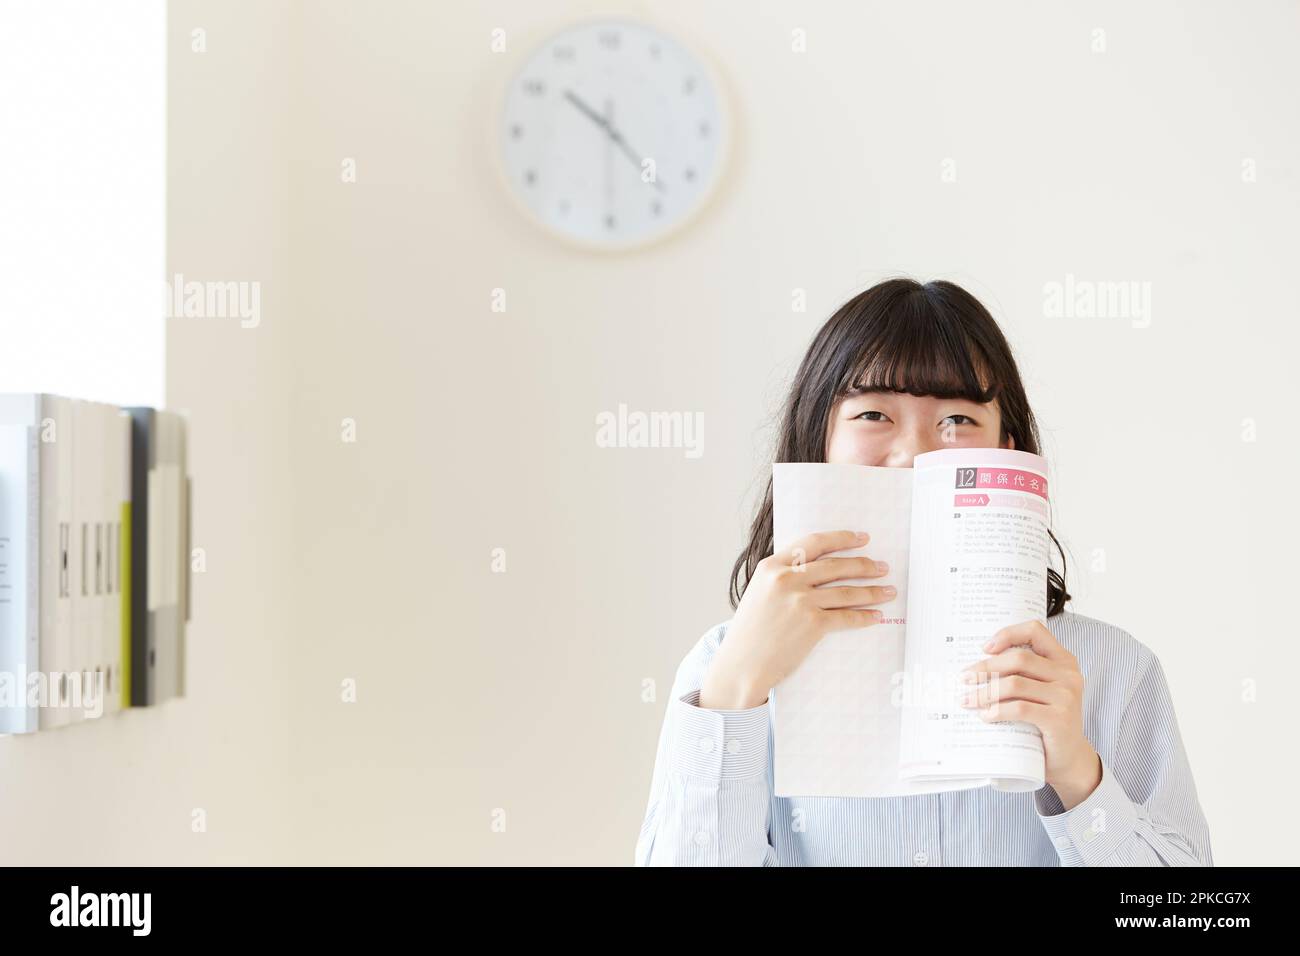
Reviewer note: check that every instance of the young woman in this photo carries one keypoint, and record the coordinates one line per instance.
(902, 369)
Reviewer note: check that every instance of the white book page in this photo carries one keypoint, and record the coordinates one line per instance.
(980, 518)
(836, 722)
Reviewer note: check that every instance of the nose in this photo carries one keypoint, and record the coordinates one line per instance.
(906, 446)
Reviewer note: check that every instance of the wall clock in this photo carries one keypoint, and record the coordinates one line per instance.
(613, 134)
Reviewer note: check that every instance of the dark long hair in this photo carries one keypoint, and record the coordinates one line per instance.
(933, 339)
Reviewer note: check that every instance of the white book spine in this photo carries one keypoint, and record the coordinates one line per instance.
(57, 520)
(19, 574)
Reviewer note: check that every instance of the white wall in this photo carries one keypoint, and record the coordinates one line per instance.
(370, 560)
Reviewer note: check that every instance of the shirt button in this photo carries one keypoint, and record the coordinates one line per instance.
(706, 745)
(920, 858)
(1062, 843)
(702, 838)
(733, 746)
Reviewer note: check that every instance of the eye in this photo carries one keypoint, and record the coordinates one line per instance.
(969, 420)
(860, 414)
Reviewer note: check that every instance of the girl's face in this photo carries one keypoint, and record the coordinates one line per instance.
(889, 429)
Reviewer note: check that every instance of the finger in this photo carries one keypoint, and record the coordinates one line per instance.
(839, 569)
(848, 619)
(1033, 634)
(813, 546)
(1015, 687)
(1014, 660)
(1040, 715)
(853, 596)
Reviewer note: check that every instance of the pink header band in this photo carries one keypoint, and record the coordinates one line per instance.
(990, 469)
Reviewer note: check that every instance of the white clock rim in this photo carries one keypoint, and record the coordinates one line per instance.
(538, 38)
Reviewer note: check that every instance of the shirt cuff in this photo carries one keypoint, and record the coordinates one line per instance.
(1094, 829)
(718, 744)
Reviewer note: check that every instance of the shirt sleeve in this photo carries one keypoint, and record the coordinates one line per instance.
(1144, 812)
(710, 800)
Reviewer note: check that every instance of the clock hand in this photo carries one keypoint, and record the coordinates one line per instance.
(604, 124)
(611, 132)
(595, 117)
(609, 168)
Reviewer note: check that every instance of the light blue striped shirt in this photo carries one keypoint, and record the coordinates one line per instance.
(711, 800)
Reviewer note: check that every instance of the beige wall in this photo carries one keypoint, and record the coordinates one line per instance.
(475, 429)
(370, 560)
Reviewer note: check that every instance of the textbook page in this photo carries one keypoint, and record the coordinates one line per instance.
(980, 519)
(836, 726)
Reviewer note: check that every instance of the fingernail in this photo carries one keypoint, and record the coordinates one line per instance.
(882, 567)
(863, 536)
(890, 589)
(988, 645)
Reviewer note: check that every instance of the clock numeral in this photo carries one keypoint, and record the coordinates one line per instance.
(610, 39)
(534, 87)
(565, 53)
(688, 85)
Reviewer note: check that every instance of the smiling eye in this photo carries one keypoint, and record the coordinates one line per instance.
(967, 417)
(860, 414)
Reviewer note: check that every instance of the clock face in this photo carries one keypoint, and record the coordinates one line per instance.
(613, 134)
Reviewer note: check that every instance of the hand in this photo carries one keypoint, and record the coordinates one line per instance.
(614, 135)
(1031, 677)
(784, 613)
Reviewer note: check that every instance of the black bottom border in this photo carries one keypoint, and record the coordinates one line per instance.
(209, 905)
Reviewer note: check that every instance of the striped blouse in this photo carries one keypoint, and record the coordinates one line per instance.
(711, 800)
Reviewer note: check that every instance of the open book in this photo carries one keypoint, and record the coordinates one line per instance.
(876, 711)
